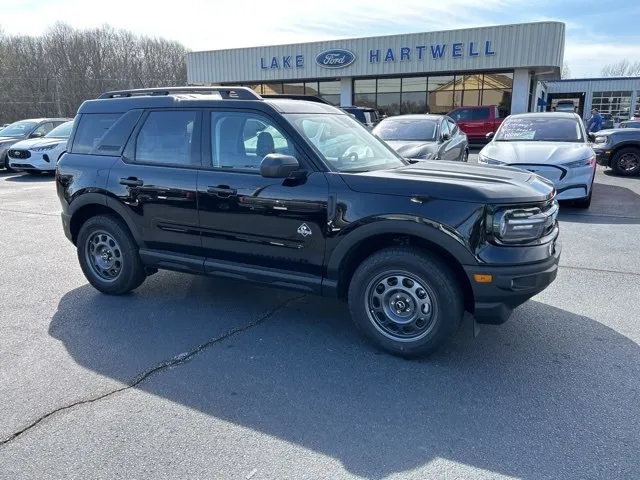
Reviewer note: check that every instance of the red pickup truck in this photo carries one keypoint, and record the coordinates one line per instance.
(476, 122)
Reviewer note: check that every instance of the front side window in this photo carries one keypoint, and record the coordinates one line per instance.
(344, 143)
(61, 131)
(461, 115)
(43, 129)
(540, 129)
(407, 129)
(167, 138)
(481, 113)
(240, 141)
(18, 129)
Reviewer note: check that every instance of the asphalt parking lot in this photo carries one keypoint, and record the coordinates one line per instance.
(192, 377)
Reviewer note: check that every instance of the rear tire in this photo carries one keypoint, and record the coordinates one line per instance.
(108, 256)
(626, 162)
(406, 301)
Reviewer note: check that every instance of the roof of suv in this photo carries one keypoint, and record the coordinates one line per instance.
(202, 97)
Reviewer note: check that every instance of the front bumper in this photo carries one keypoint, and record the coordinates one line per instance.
(603, 157)
(510, 286)
(36, 162)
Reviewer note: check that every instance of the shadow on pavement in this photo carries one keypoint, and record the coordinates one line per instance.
(611, 173)
(30, 178)
(611, 204)
(550, 394)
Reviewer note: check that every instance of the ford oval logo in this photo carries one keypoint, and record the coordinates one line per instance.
(336, 58)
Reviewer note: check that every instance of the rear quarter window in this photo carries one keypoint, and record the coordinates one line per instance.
(104, 133)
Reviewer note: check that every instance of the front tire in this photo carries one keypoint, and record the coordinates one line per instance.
(6, 164)
(626, 162)
(108, 256)
(405, 301)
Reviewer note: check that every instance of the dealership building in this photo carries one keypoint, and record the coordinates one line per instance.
(413, 73)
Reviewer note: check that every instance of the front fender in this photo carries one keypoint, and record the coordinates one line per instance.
(427, 229)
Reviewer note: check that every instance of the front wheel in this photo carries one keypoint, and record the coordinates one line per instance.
(626, 162)
(108, 256)
(406, 301)
(6, 164)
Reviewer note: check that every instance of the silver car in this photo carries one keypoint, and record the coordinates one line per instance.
(553, 145)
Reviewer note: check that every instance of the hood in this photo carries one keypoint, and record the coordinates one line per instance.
(413, 149)
(550, 153)
(9, 139)
(455, 181)
(37, 142)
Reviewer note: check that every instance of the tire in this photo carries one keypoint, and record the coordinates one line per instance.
(112, 264)
(403, 275)
(465, 156)
(584, 202)
(6, 164)
(626, 162)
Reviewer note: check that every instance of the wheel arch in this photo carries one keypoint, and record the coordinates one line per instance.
(369, 239)
(92, 204)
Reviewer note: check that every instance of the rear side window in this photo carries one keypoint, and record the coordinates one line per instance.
(461, 115)
(104, 133)
(169, 138)
(480, 114)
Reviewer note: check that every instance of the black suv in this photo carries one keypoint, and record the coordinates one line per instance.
(297, 194)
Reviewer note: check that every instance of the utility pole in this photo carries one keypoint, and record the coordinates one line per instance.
(57, 96)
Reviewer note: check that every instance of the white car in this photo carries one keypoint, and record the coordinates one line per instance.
(552, 145)
(40, 154)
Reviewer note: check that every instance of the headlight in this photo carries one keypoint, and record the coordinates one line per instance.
(45, 148)
(602, 140)
(489, 161)
(587, 162)
(521, 225)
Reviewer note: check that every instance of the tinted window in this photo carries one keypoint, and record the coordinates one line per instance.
(409, 130)
(43, 129)
(539, 129)
(91, 128)
(480, 114)
(462, 114)
(242, 140)
(167, 138)
(116, 137)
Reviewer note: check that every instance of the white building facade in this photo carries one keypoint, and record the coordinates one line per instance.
(413, 73)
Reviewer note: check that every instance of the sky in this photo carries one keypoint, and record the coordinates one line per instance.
(597, 32)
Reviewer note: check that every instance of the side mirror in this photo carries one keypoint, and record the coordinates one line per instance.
(446, 136)
(276, 165)
(591, 136)
(36, 135)
(489, 135)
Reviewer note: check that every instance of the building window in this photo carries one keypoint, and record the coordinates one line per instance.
(388, 99)
(330, 91)
(617, 104)
(293, 88)
(271, 88)
(440, 99)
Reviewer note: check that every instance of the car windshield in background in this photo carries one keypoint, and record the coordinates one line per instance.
(539, 129)
(17, 129)
(407, 130)
(61, 131)
(344, 143)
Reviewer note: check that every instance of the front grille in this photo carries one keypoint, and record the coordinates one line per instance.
(19, 153)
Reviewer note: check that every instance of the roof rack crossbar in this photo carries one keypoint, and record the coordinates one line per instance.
(295, 96)
(239, 93)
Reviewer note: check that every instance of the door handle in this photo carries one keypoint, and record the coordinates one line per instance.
(222, 191)
(131, 182)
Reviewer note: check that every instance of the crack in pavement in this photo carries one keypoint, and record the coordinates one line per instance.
(175, 361)
(601, 270)
(29, 212)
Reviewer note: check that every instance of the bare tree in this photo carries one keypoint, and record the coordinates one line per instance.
(52, 74)
(623, 68)
(566, 72)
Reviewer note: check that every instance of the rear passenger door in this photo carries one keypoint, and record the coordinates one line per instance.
(155, 180)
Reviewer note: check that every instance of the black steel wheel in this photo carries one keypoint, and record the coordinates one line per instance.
(626, 162)
(406, 301)
(108, 256)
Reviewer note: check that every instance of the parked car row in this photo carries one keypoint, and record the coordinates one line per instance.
(34, 145)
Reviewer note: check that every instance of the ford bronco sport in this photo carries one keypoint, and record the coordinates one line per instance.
(297, 194)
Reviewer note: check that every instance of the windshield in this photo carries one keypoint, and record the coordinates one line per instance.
(61, 131)
(344, 143)
(407, 130)
(18, 129)
(539, 129)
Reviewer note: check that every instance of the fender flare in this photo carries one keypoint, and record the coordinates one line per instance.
(96, 198)
(427, 229)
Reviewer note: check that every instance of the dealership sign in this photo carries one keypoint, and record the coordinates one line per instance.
(336, 58)
(341, 58)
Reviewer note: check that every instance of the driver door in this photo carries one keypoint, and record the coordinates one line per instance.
(254, 221)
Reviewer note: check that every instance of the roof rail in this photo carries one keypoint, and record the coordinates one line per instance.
(293, 96)
(240, 93)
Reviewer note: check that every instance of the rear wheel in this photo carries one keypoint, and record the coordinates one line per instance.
(626, 162)
(406, 301)
(108, 256)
